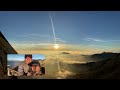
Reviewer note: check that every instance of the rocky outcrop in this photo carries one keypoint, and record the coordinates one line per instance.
(5, 48)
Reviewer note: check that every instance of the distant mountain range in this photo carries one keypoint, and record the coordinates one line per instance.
(101, 56)
(105, 69)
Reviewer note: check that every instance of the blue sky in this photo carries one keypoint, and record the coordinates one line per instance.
(15, 57)
(21, 57)
(32, 30)
(39, 56)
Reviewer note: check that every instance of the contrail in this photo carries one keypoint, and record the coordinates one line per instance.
(53, 29)
(55, 42)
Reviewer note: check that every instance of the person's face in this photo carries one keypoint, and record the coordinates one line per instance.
(33, 68)
(28, 60)
(37, 68)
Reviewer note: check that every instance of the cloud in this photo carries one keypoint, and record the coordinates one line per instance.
(36, 38)
(36, 35)
(33, 37)
(100, 40)
(64, 74)
(36, 44)
(60, 40)
(97, 45)
(94, 39)
(32, 44)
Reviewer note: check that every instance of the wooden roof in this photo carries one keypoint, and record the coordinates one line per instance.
(5, 45)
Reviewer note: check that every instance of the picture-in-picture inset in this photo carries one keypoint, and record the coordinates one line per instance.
(26, 64)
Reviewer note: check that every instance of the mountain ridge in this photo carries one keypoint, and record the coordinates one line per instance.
(103, 69)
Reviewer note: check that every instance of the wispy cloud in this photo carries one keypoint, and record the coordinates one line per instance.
(36, 38)
(98, 46)
(94, 39)
(100, 40)
(30, 43)
(36, 35)
(60, 40)
(36, 45)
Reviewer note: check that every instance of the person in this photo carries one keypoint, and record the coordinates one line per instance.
(35, 69)
(24, 67)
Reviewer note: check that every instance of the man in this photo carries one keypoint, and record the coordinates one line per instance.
(35, 69)
(24, 67)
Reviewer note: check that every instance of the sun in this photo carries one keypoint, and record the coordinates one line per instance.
(56, 46)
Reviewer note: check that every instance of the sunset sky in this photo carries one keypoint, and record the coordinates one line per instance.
(84, 31)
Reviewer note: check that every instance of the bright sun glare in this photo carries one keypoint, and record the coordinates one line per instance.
(56, 46)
